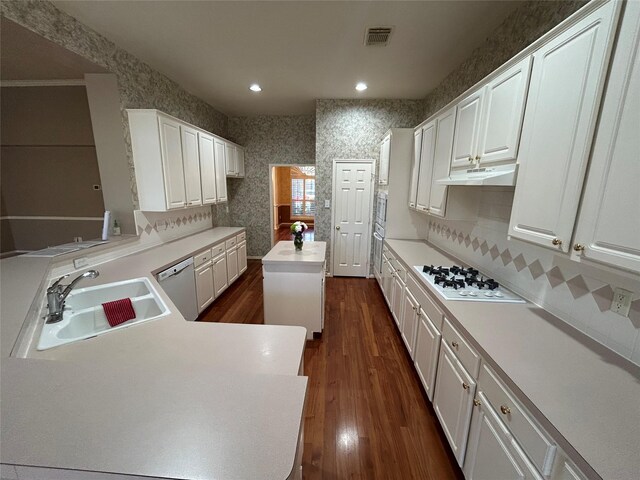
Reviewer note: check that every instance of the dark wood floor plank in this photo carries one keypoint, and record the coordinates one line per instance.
(366, 415)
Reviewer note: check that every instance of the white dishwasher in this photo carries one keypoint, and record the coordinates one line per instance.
(179, 283)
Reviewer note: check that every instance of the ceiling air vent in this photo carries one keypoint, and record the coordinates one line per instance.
(377, 36)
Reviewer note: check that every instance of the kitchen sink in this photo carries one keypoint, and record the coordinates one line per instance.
(84, 317)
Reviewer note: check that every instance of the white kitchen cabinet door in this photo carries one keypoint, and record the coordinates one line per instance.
(565, 470)
(409, 321)
(562, 105)
(453, 400)
(232, 265)
(426, 354)
(467, 128)
(230, 153)
(242, 258)
(492, 453)
(171, 145)
(191, 161)
(397, 300)
(504, 100)
(385, 156)
(442, 161)
(415, 168)
(426, 166)
(206, 149)
(240, 161)
(608, 226)
(220, 274)
(221, 175)
(387, 280)
(204, 286)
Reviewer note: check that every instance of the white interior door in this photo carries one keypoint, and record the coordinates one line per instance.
(352, 210)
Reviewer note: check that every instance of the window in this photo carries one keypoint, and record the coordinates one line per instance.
(303, 196)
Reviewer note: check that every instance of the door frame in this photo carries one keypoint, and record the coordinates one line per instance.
(272, 167)
(336, 162)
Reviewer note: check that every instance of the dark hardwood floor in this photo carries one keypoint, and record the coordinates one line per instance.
(366, 415)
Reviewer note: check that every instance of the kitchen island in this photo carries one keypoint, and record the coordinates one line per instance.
(161, 399)
(294, 285)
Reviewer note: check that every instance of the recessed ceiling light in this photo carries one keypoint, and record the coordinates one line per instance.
(361, 86)
(255, 88)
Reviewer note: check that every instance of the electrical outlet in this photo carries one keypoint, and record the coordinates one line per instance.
(327, 204)
(621, 303)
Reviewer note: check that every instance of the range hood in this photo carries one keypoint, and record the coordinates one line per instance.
(502, 175)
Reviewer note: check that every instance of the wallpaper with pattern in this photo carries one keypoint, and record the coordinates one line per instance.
(140, 86)
(267, 140)
(522, 27)
(352, 129)
(578, 293)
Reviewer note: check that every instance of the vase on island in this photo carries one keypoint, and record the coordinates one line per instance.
(297, 229)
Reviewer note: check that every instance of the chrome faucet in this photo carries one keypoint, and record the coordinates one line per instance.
(57, 294)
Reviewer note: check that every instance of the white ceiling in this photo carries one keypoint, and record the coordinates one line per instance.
(297, 51)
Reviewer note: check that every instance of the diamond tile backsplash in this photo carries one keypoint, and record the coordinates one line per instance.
(577, 293)
(159, 227)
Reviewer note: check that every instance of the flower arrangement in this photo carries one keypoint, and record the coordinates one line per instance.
(297, 229)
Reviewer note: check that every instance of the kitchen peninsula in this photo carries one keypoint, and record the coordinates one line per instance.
(298, 274)
(171, 398)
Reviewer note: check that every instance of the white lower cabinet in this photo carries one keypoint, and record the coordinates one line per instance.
(242, 257)
(220, 274)
(453, 400)
(565, 470)
(204, 285)
(492, 453)
(387, 279)
(410, 311)
(232, 265)
(426, 352)
(397, 299)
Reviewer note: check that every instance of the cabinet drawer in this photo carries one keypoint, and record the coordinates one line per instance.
(231, 243)
(217, 249)
(201, 258)
(241, 236)
(424, 300)
(538, 447)
(399, 268)
(465, 353)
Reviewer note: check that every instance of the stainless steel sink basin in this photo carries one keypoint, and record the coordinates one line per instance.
(84, 316)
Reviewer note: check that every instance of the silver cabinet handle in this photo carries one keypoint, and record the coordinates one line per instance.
(337, 227)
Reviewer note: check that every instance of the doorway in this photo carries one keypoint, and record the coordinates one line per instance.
(352, 208)
(293, 198)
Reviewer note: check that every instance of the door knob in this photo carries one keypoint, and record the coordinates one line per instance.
(578, 247)
(556, 241)
(337, 227)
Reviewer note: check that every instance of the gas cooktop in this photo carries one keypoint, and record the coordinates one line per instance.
(459, 283)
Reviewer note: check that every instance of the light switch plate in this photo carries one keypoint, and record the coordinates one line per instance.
(327, 203)
(80, 262)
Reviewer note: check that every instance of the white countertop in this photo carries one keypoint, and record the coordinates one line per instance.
(585, 392)
(312, 253)
(114, 388)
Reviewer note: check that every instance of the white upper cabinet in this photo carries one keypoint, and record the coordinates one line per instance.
(426, 166)
(385, 156)
(441, 158)
(503, 103)
(562, 105)
(488, 124)
(240, 161)
(207, 168)
(171, 162)
(176, 164)
(608, 226)
(191, 162)
(231, 160)
(415, 168)
(221, 165)
(467, 130)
